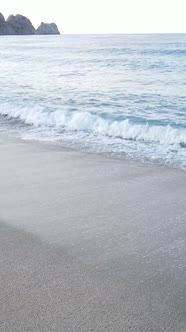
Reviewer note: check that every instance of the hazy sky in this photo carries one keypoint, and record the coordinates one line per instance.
(103, 16)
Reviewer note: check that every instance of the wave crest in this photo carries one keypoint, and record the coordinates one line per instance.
(96, 125)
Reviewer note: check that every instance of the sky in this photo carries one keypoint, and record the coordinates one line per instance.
(103, 16)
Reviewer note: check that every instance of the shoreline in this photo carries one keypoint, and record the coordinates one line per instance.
(80, 151)
(88, 242)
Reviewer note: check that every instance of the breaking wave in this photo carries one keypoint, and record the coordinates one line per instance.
(98, 125)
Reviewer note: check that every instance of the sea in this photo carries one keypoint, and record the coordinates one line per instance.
(123, 96)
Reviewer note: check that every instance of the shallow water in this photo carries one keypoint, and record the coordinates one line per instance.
(123, 95)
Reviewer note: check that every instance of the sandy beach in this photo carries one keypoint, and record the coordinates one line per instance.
(89, 243)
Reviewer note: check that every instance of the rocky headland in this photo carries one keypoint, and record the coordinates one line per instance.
(21, 25)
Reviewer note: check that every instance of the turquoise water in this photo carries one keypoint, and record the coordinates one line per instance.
(122, 95)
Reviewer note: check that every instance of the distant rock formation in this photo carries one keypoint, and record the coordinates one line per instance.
(47, 29)
(21, 25)
(5, 28)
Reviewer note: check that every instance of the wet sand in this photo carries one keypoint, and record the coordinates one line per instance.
(88, 243)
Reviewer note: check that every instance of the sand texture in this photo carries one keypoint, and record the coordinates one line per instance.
(88, 243)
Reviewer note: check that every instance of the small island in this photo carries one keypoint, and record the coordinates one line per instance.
(21, 25)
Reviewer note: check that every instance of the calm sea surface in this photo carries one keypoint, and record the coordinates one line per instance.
(120, 95)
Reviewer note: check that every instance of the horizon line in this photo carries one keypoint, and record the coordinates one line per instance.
(122, 33)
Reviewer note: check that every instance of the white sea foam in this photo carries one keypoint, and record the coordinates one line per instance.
(96, 125)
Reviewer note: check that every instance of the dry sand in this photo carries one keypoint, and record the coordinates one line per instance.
(89, 243)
